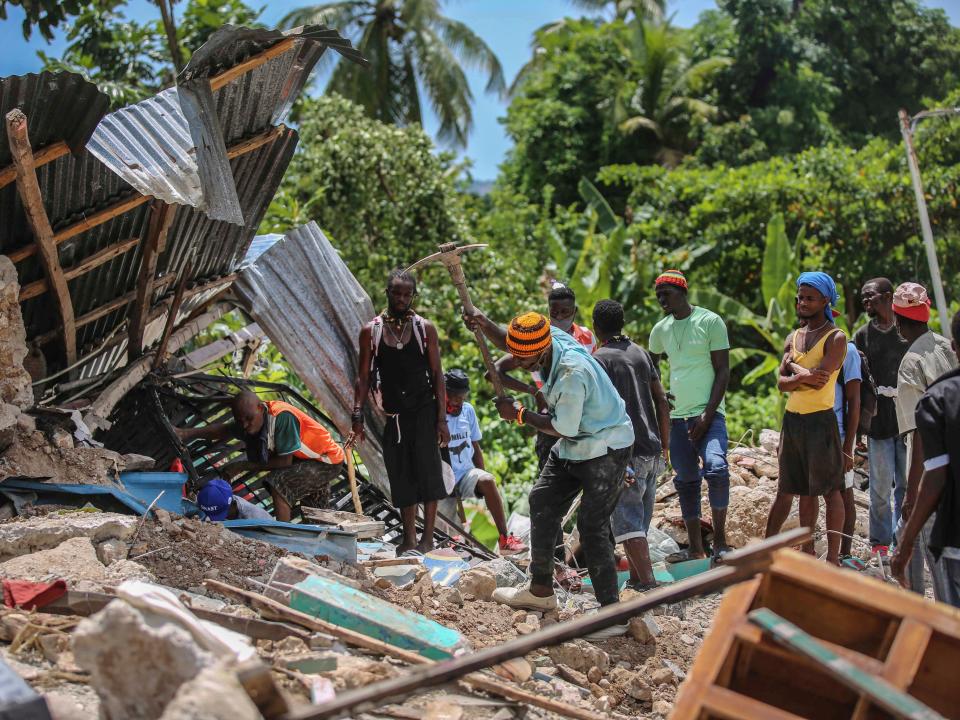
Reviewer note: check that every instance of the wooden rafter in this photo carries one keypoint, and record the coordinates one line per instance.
(39, 287)
(228, 76)
(36, 213)
(40, 157)
(158, 358)
(161, 217)
(119, 208)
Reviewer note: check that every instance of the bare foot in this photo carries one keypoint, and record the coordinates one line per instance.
(403, 547)
(425, 546)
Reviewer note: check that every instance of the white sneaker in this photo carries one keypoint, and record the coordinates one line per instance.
(522, 599)
(607, 633)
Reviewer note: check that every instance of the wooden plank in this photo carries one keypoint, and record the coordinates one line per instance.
(119, 208)
(726, 704)
(881, 692)
(44, 155)
(228, 76)
(865, 592)
(753, 635)
(906, 653)
(159, 357)
(713, 653)
(107, 308)
(36, 213)
(161, 218)
(38, 287)
(506, 690)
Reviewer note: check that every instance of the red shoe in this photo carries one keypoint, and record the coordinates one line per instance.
(511, 545)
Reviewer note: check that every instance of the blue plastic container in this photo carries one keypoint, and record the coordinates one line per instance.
(145, 486)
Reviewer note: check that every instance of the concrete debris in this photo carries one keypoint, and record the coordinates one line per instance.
(644, 629)
(214, 694)
(15, 381)
(580, 655)
(112, 550)
(136, 668)
(75, 558)
(478, 583)
(33, 455)
(28, 535)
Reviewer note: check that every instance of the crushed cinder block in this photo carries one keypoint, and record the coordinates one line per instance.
(479, 583)
(112, 550)
(215, 694)
(15, 381)
(28, 535)
(136, 667)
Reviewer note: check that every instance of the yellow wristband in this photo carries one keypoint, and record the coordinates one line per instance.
(520, 415)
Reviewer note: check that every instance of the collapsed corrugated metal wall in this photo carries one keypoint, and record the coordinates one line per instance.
(312, 308)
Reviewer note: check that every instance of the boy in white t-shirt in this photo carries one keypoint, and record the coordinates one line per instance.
(466, 459)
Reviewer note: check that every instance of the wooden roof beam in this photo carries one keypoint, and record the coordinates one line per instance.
(106, 214)
(161, 217)
(40, 157)
(29, 189)
(38, 287)
(231, 74)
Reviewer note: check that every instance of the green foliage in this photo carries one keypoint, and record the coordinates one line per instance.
(130, 61)
(751, 410)
(44, 15)
(412, 47)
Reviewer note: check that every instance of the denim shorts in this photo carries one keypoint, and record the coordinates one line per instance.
(631, 518)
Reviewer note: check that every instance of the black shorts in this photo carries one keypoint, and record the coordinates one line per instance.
(811, 456)
(412, 457)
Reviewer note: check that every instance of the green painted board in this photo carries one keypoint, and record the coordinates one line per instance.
(359, 611)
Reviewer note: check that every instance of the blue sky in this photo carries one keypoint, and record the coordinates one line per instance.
(506, 25)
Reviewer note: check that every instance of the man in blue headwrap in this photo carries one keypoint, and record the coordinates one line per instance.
(810, 453)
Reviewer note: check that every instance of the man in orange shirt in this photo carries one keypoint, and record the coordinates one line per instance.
(299, 453)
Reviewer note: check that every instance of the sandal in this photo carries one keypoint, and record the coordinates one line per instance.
(852, 563)
(679, 557)
(640, 587)
(719, 552)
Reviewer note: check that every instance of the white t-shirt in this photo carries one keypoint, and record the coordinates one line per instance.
(464, 431)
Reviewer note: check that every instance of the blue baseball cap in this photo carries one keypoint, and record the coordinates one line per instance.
(214, 499)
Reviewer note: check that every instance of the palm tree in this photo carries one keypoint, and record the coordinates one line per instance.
(662, 101)
(412, 48)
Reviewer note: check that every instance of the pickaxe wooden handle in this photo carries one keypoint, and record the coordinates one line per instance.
(449, 256)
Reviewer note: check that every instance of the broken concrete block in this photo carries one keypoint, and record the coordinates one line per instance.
(133, 461)
(354, 671)
(770, 441)
(632, 684)
(310, 663)
(574, 676)
(112, 550)
(9, 426)
(356, 610)
(644, 629)
(215, 694)
(580, 655)
(28, 535)
(73, 560)
(397, 575)
(15, 381)
(136, 668)
(479, 582)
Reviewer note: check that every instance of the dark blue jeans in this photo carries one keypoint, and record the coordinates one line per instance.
(686, 459)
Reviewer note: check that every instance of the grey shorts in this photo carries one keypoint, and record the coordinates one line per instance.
(466, 489)
(631, 518)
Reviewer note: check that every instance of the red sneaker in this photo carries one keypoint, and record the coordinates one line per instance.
(511, 545)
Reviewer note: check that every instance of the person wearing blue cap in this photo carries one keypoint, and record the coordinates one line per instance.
(810, 454)
(218, 503)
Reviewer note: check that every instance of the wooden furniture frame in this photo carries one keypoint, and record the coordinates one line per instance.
(741, 672)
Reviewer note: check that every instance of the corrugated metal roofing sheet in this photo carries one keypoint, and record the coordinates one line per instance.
(59, 106)
(312, 308)
(151, 149)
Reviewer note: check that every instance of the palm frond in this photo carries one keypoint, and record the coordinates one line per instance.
(340, 15)
(446, 86)
(638, 122)
(473, 50)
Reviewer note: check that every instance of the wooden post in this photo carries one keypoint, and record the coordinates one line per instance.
(160, 219)
(29, 189)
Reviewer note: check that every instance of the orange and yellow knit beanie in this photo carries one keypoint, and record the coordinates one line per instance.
(528, 335)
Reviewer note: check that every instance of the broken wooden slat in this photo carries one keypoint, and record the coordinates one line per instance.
(44, 155)
(36, 213)
(723, 703)
(122, 206)
(161, 218)
(363, 525)
(447, 670)
(159, 357)
(882, 693)
(497, 687)
(228, 76)
(38, 287)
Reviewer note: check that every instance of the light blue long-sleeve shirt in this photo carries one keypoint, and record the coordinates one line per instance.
(586, 408)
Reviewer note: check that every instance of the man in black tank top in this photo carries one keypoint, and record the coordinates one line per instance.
(403, 370)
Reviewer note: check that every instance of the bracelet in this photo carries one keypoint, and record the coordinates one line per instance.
(520, 412)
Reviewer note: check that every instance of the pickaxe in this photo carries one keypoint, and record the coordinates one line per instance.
(449, 256)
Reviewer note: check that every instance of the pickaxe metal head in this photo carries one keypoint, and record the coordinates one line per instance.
(448, 255)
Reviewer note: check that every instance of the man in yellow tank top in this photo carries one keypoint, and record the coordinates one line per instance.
(810, 453)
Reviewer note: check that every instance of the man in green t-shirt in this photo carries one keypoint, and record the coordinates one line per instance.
(696, 345)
